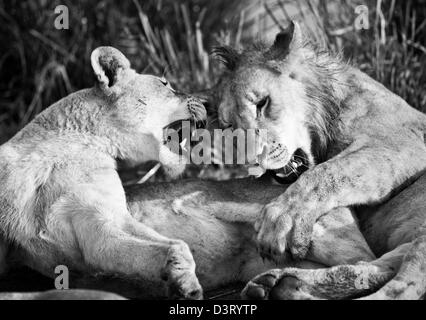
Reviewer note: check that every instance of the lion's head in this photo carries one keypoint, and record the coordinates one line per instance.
(288, 90)
(138, 108)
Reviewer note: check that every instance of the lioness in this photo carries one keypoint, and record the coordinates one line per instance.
(356, 143)
(216, 220)
(61, 199)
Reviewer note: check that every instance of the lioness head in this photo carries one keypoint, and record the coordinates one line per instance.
(139, 108)
(287, 90)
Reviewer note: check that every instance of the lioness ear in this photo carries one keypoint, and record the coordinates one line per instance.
(108, 65)
(287, 40)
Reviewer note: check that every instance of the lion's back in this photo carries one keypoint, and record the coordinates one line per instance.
(20, 182)
(34, 170)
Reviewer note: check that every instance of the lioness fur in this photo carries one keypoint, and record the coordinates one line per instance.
(360, 144)
(216, 220)
(61, 199)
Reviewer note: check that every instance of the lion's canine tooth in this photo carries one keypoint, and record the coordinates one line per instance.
(183, 144)
(256, 171)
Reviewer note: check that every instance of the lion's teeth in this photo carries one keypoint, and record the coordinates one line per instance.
(295, 164)
(281, 175)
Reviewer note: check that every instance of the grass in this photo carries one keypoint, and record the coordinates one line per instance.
(39, 64)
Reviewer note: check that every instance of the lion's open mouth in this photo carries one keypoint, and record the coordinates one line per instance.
(178, 135)
(297, 165)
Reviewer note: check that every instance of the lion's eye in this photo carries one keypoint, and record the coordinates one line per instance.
(262, 105)
(167, 84)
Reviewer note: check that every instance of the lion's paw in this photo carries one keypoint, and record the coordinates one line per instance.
(179, 274)
(260, 287)
(280, 284)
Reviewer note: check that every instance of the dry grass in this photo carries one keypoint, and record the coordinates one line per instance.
(39, 64)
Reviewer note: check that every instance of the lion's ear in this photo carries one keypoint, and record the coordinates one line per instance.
(227, 55)
(287, 40)
(108, 65)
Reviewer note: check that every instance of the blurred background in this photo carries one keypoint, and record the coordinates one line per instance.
(40, 64)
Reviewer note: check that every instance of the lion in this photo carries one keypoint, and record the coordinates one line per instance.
(61, 199)
(216, 220)
(212, 224)
(347, 142)
(62, 202)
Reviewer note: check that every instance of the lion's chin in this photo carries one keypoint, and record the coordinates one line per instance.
(174, 165)
(297, 165)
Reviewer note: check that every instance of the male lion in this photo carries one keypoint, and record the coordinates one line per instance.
(215, 219)
(356, 143)
(61, 199)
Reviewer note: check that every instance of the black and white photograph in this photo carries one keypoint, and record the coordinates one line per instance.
(221, 150)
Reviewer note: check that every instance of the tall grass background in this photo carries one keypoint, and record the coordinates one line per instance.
(39, 64)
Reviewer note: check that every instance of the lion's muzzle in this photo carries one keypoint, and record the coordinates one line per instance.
(198, 111)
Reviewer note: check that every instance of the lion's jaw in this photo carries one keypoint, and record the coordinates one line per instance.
(291, 90)
(289, 130)
(136, 123)
(282, 124)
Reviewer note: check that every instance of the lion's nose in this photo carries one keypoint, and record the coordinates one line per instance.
(198, 111)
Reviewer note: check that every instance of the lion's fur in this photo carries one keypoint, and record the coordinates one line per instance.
(198, 211)
(216, 220)
(61, 200)
(363, 143)
(319, 72)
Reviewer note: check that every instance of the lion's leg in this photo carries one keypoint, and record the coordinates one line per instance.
(396, 222)
(339, 282)
(410, 281)
(94, 224)
(147, 257)
(93, 228)
(337, 240)
(366, 173)
(208, 216)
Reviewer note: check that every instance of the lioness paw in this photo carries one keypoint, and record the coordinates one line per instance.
(260, 287)
(273, 229)
(282, 284)
(281, 228)
(301, 237)
(179, 274)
